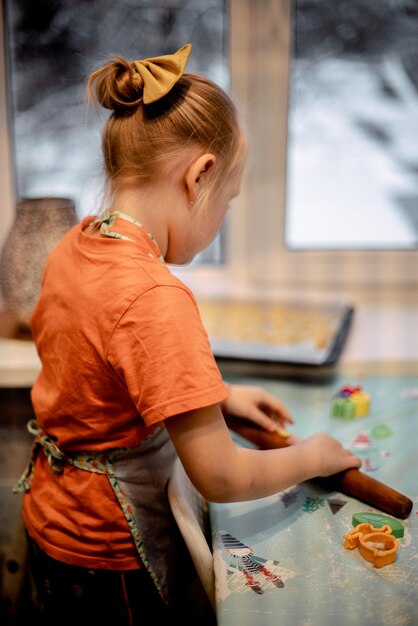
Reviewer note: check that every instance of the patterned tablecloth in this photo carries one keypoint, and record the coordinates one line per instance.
(281, 559)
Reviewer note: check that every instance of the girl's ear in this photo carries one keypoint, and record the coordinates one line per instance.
(196, 173)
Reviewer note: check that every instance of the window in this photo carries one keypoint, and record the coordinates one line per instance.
(353, 123)
(261, 57)
(258, 37)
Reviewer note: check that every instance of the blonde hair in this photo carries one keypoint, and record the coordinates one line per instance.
(141, 141)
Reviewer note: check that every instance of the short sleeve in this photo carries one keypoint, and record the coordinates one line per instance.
(161, 352)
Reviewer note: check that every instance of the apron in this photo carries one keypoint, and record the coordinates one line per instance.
(138, 477)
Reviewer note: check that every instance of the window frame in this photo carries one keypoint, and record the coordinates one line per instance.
(7, 183)
(257, 259)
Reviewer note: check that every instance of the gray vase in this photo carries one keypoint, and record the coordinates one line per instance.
(38, 226)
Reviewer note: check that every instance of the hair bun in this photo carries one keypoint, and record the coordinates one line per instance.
(116, 87)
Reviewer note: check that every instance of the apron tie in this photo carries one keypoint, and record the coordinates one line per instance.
(55, 456)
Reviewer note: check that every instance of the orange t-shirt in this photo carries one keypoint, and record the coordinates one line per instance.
(122, 348)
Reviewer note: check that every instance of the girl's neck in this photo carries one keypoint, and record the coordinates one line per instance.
(146, 207)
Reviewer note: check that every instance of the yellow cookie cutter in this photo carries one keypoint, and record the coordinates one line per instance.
(365, 537)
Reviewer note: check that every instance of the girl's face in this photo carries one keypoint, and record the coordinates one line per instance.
(208, 219)
(206, 222)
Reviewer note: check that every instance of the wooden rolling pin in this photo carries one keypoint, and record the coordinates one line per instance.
(352, 482)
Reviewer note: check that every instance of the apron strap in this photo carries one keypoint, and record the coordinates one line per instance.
(105, 222)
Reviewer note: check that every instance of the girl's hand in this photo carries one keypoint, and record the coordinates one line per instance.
(328, 455)
(257, 405)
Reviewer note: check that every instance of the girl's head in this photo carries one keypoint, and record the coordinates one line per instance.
(143, 143)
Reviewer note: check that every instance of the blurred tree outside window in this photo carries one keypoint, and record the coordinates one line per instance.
(53, 46)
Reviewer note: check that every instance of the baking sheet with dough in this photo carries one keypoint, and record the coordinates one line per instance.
(293, 332)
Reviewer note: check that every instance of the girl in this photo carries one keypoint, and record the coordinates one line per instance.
(128, 380)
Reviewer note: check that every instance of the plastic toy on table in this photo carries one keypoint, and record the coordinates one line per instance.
(366, 538)
(379, 520)
(351, 402)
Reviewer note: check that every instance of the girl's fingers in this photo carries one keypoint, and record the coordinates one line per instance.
(260, 418)
(276, 409)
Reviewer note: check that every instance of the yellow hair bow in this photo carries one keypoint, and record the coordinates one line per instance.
(159, 74)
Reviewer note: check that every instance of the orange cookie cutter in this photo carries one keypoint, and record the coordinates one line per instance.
(365, 537)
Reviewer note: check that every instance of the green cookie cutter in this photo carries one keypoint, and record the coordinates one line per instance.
(378, 520)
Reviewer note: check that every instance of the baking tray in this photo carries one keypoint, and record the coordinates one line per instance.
(289, 336)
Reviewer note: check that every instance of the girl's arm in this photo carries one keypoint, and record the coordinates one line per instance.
(223, 472)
